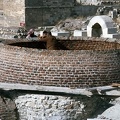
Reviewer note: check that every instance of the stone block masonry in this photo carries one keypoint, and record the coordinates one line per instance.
(42, 12)
(49, 107)
(60, 68)
(24, 106)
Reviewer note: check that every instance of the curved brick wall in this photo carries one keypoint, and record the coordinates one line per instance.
(61, 68)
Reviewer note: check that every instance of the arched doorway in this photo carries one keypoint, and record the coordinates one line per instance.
(96, 30)
(102, 26)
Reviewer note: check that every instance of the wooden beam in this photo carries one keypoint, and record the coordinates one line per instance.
(103, 90)
(75, 91)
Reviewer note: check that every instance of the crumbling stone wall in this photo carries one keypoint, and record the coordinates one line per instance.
(42, 106)
(63, 68)
(58, 107)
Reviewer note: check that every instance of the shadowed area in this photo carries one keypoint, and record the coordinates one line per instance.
(67, 44)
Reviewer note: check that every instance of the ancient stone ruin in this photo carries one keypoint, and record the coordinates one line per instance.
(66, 84)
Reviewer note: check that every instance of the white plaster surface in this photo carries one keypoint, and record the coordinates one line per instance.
(80, 33)
(62, 33)
(107, 25)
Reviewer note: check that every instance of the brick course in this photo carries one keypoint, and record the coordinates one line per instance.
(62, 68)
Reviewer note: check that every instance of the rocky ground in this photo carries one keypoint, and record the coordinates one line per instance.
(72, 24)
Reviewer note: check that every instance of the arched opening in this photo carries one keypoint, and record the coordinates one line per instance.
(96, 30)
(102, 26)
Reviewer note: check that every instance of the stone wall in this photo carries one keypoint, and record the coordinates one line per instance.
(45, 16)
(51, 12)
(42, 12)
(90, 2)
(19, 105)
(49, 107)
(63, 68)
(46, 13)
(47, 3)
(99, 2)
(84, 11)
(14, 12)
(56, 107)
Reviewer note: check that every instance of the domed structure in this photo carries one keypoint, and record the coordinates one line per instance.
(102, 26)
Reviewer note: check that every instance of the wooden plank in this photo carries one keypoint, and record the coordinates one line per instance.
(10, 86)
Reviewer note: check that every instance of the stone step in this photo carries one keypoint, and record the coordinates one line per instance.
(80, 33)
